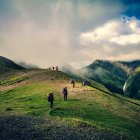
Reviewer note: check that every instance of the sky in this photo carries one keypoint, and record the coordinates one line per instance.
(76, 32)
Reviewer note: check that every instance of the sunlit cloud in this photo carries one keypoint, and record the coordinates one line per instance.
(114, 31)
(126, 39)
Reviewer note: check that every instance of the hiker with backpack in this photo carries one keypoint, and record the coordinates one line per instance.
(73, 83)
(83, 83)
(51, 99)
(65, 93)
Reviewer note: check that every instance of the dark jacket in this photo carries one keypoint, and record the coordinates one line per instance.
(50, 97)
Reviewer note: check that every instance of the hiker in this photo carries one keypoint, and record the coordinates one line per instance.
(53, 68)
(73, 83)
(50, 99)
(83, 83)
(56, 68)
(65, 93)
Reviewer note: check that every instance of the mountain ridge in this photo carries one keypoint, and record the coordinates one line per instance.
(6, 65)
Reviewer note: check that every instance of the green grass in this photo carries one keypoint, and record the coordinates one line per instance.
(84, 106)
(12, 80)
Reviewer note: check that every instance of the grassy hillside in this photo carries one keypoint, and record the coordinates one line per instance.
(88, 114)
(78, 74)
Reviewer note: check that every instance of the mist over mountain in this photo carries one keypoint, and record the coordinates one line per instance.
(111, 74)
(6, 65)
(28, 66)
(108, 73)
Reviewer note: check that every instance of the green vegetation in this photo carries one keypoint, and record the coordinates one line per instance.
(111, 74)
(12, 80)
(132, 85)
(100, 115)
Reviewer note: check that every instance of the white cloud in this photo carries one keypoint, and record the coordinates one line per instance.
(114, 31)
(101, 33)
(126, 39)
(114, 40)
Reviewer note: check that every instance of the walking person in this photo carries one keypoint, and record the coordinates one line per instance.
(83, 83)
(73, 83)
(65, 93)
(51, 99)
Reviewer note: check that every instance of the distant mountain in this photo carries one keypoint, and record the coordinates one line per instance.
(132, 85)
(111, 74)
(131, 65)
(78, 74)
(6, 65)
(108, 73)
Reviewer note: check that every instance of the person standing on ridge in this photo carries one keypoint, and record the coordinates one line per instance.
(65, 93)
(56, 68)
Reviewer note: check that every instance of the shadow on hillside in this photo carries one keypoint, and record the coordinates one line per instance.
(20, 128)
(114, 95)
(31, 128)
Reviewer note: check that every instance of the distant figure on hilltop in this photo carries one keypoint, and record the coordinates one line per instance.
(56, 68)
(73, 83)
(65, 93)
(53, 68)
(51, 99)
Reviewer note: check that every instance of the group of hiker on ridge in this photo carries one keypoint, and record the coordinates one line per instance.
(64, 92)
(53, 68)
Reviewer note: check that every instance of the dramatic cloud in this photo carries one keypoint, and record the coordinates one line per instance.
(102, 33)
(114, 40)
(115, 31)
(46, 32)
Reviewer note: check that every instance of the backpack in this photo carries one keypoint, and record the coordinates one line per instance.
(65, 91)
(50, 97)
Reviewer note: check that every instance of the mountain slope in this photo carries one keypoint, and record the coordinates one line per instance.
(107, 73)
(6, 65)
(112, 74)
(132, 85)
(88, 113)
(78, 74)
(132, 65)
